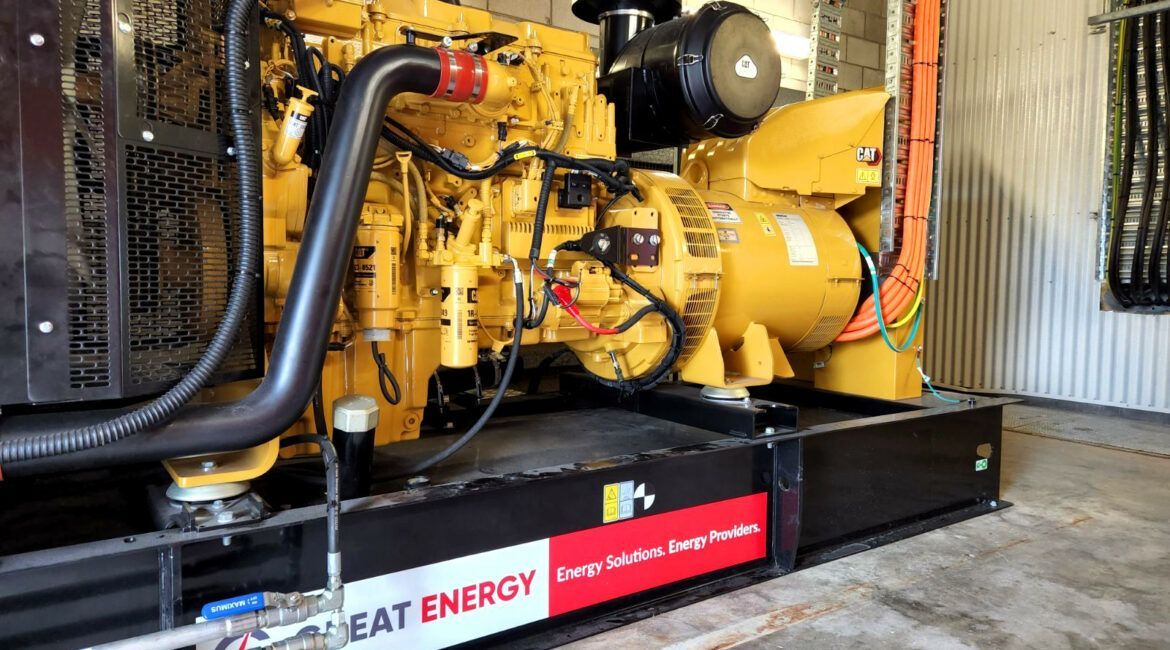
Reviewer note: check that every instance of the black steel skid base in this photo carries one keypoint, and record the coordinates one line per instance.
(550, 526)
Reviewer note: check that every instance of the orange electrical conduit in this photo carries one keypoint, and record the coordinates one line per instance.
(899, 289)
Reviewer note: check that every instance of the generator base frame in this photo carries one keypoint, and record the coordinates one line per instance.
(856, 474)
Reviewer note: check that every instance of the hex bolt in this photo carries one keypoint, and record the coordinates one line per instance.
(655, 240)
(207, 465)
(448, 41)
(36, 39)
(603, 243)
(434, 292)
(417, 481)
(770, 430)
(45, 327)
(224, 517)
(148, 135)
(638, 238)
(124, 23)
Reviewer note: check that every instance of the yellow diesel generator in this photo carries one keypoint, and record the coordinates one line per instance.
(535, 305)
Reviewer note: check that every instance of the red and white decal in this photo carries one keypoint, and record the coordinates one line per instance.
(466, 598)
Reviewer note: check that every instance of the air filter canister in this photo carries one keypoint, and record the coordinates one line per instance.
(714, 73)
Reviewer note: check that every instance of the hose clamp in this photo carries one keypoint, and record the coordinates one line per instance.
(463, 76)
(641, 13)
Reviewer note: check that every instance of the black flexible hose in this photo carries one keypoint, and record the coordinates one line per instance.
(332, 483)
(384, 375)
(677, 340)
(1121, 290)
(550, 171)
(1159, 285)
(306, 324)
(1137, 270)
(238, 83)
(501, 390)
(319, 419)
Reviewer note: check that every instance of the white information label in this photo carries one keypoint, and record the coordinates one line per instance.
(802, 248)
(723, 213)
(434, 606)
(295, 127)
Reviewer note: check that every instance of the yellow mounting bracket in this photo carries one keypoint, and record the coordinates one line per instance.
(226, 467)
(753, 361)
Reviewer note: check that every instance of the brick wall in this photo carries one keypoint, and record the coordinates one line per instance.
(863, 46)
(558, 13)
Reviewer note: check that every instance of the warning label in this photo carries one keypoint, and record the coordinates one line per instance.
(723, 213)
(466, 598)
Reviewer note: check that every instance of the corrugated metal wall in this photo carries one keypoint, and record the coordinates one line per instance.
(1016, 307)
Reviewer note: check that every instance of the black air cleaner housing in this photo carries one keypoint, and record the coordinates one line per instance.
(714, 73)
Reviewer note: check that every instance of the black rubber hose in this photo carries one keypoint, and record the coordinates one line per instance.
(1160, 285)
(501, 390)
(57, 443)
(677, 340)
(299, 347)
(384, 375)
(320, 420)
(550, 171)
(1121, 290)
(1137, 269)
(332, 483)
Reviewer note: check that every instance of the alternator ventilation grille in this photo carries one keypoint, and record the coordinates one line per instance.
(700, 235)
(179, 227)
(821, 334)
(179, 55)
(697, 315)
(84, 200)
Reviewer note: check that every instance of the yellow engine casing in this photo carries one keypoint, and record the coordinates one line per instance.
(755, 254)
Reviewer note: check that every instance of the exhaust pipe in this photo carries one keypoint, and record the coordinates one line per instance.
(298, 351)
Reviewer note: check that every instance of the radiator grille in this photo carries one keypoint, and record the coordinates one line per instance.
(178, 53)
(179, 227)
(84, 201)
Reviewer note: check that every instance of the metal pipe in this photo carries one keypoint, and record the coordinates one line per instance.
(618, 26)
(298, 350)
(1132, 12)
(188, 635)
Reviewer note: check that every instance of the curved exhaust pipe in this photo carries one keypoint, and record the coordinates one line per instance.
(302, 337)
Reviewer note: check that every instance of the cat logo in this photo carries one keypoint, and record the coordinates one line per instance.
(869, 155)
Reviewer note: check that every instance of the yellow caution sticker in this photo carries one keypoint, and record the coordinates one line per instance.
(524, 154)
(871, 176)
(609, 506)
(767, 224)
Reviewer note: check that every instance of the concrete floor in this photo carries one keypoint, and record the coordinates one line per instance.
(1082, 560)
